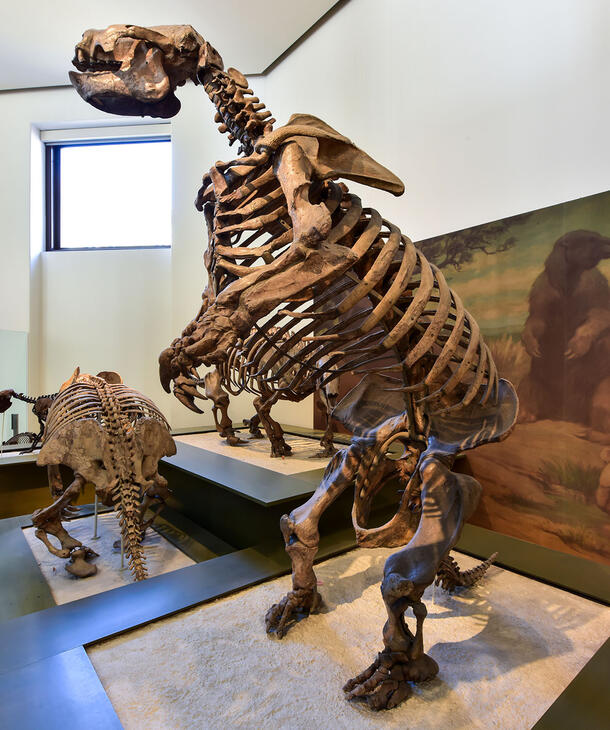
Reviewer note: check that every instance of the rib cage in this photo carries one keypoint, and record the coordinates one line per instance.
(242, 371)
(82, 400)
(391, 312)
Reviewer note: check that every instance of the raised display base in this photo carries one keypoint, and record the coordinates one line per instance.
(255, 451)
(506, 648)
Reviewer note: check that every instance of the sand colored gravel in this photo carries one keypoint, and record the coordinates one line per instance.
(161, 557)
(506, 649)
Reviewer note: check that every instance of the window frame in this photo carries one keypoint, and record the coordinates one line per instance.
(54, 141)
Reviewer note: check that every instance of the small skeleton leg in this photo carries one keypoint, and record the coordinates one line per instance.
(36, 440)
(48, 522)
(448, 500)
(328, 396)
(274, 432)
(300, 531)
(158, 493)
(214, 391)
(253, 426)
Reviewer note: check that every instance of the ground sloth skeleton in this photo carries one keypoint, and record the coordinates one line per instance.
(292, 250)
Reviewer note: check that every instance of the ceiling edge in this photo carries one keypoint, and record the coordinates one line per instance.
(274, 64)
(310, 31)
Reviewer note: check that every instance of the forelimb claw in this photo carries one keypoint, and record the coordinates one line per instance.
(186, 391)
(297, 602)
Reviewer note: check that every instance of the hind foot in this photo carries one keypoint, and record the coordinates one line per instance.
(387, 682)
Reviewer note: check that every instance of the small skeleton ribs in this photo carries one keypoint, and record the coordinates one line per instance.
(112, 436)
(305, 283)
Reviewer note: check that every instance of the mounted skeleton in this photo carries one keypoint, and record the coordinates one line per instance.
(304, 284)
(113, 437)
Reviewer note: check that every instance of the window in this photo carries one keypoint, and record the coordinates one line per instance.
(108, 193)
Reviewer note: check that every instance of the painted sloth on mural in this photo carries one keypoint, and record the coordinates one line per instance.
(567, 335)
(546, 313)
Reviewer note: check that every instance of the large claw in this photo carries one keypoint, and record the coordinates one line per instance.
(296, 604)
(168, 370)
(186, 391)
(387, 681)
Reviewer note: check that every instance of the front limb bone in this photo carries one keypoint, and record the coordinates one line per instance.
(47, 521)
(300, 531)
(220, 399)
(253, 425)
(328, 397)
(274, 431)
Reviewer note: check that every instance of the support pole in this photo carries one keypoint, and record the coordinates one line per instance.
(95, 535)
(122, 553)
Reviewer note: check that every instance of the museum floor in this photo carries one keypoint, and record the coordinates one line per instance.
(187, 647)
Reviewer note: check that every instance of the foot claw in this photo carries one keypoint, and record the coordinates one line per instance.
(279, 449)
(387, 682)
(297, 602)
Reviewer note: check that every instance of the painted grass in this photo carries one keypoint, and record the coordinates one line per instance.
(510, 357)
(572, 475)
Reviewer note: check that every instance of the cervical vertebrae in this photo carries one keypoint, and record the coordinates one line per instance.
(239, 113)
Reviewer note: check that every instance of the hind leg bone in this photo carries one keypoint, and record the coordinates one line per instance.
(48, 522)
(448, 499)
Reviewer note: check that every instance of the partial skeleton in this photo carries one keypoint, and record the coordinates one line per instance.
(40, 408)
(268, 382)
(291, 250)
(113, 437)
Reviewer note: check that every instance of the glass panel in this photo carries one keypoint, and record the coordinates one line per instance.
(13, 376)
(116, 195)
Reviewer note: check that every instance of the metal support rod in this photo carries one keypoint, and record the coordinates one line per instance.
(122, 553)
(95, 535)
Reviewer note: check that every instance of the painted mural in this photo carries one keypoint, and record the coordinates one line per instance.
(538, 286)
(537, 283)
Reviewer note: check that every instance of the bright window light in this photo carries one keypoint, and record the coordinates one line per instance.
(115, 195)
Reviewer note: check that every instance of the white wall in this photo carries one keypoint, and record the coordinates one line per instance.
(484, 108)
(102, 310)
(13, 374)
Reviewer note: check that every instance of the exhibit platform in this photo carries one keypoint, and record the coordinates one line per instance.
(506, 648)
(223, 516)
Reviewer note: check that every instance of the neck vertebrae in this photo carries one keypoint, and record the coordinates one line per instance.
(238, 113)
